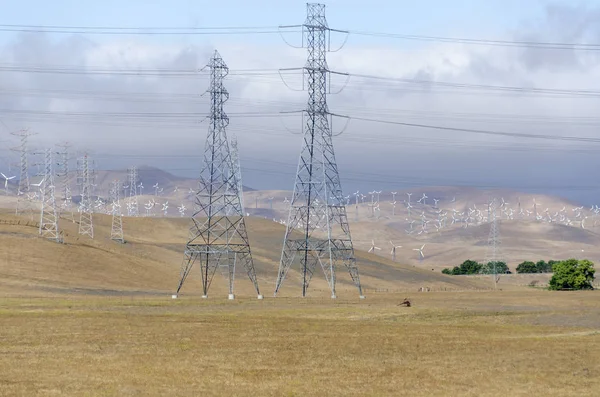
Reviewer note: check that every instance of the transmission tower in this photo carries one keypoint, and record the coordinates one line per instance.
(317, 209)
(85, 179)
(133, 208)
(23, 150)
(493, 255)
(116, 232)
(48, 213)
(237, 169)
(218, 236)
(62, 173)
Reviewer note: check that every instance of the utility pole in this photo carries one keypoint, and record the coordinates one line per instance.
(116, 232)
(133, 208)
(85, 180)
(48, 213)
(317, 208)
(218, 236)
(24, 186)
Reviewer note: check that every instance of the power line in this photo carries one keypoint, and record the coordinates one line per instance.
(144, 31)
(485, 42)
(222, 30)
(485, 132)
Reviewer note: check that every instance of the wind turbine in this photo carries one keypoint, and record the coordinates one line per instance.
(181, 210)
(420, 250)
(6, 179)
(394, 247)
(165, 208)
(373, 247)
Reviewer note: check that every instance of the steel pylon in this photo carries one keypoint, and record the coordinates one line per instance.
(317, 209)
(85, 179)
(493, 254)
(218, 237)
(133, 207)
(24, 183)
(237, 169)
(49, 214)
(116, 231)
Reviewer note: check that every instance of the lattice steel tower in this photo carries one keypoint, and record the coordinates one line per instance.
(63, 174)
(23, 149)
(133, 208)
(317, 209)
(218, 236)
(48, 213)
(116, 232)
(493, 254)
(237, 169)
(85, 179)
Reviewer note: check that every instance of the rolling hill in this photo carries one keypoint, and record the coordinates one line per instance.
(149, 262)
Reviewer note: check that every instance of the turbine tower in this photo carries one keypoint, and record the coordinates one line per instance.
(23, 150)
(218, 236)
(317, 208)
(133, 208)
(116, 232)
(48, 214)
(85, 179)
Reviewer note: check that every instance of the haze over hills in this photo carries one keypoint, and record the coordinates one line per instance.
(522, 237)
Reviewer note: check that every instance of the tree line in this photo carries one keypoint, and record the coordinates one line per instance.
(474, 267)
(571, 274)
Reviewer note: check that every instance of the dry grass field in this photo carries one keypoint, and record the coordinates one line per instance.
(96, 318)
(447, 344)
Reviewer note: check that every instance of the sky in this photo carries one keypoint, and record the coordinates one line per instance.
(157, 120)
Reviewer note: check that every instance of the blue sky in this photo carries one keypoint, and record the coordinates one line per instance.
(471, 64)
(429, 17)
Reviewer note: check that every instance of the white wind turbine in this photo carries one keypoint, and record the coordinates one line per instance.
(420, 250)
(423, 200)
(373, 247)
(394, 196)
(165, 208)
(141, 187)
(181, 210)
(6, 179)
(393, 253)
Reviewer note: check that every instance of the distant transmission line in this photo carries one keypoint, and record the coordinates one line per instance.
(150, 31)
(231, 30)
(486, 42)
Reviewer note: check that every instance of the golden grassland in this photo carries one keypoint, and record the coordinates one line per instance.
(503, 343)
(96, 318)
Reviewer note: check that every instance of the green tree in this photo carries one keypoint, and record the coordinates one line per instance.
(495, 268)
(467, 267)
(550, 264)
(543, 267)
(470, 267)
(572, 274)
(527, 267)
